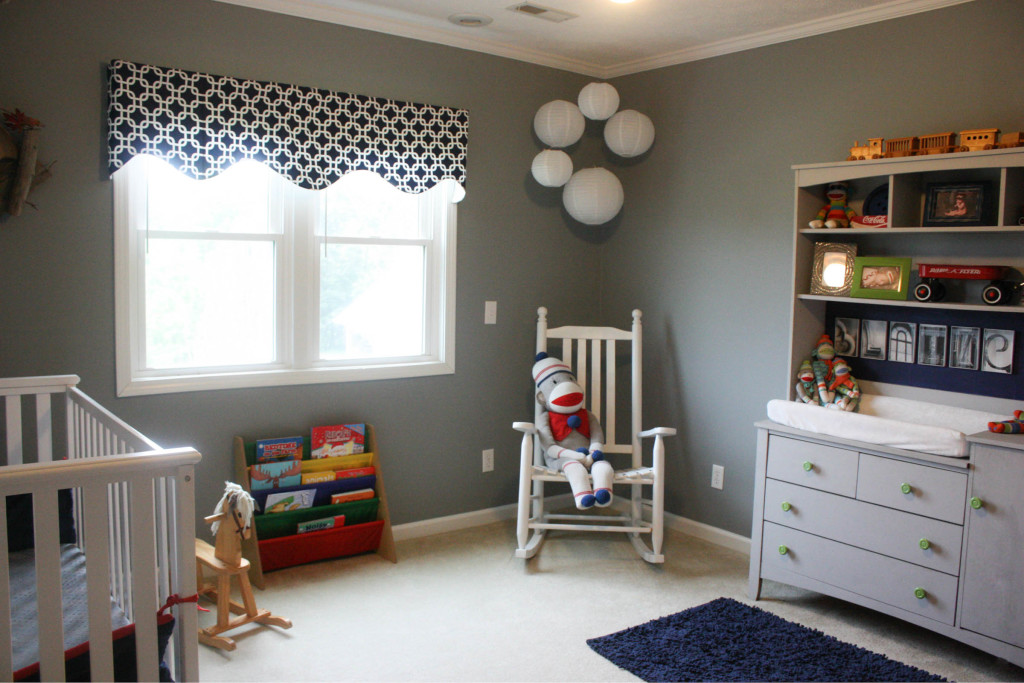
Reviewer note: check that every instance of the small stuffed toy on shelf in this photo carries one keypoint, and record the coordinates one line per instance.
(571, 435)
(1014, 426)
(825, 379)
(835, 214)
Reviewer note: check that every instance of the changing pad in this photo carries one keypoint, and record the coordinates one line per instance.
(890, 421)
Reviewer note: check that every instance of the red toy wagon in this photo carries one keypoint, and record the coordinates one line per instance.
(931, 288)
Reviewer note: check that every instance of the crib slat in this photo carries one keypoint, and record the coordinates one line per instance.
(595, 380)
(14, 452)
(6, 651)
(48, 586)
(143, 552)
(97, 569)
(185, 573)
(44, 428)
(609, 424)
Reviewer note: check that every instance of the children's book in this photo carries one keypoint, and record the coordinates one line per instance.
(275, 475)
(323, 523)
(317, 477)
(333, 440)
(286, 502)
(354, 472)
(275, 450)
(349, 496)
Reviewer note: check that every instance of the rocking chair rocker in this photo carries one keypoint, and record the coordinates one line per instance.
(645, 517)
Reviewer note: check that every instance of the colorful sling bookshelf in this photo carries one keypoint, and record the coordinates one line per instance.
(276, 542)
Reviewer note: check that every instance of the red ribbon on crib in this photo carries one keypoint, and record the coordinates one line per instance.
(175, 599)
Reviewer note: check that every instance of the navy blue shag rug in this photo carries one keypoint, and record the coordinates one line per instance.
(725, 640)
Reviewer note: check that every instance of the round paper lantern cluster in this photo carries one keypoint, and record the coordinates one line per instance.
(593, 195)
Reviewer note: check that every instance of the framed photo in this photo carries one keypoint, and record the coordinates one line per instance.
(873, 338)
(846, 335)
(931, 345)
(902, 340)
(964, 347)
(879, 277)
(997, 351)
(832, 270)
(956, 204)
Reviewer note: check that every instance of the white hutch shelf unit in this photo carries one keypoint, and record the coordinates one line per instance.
(925, 538)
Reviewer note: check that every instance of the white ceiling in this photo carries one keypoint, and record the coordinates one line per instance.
(605, 39)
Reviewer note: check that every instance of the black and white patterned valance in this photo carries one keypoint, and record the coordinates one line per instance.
(202, 124)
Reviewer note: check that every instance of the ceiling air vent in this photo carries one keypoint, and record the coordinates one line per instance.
(541, 12)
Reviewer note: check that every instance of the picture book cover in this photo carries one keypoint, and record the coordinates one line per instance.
(332, 440)
(317, 477)
(320, 524)
(349, 496)
(355, 472)
(275, 475)
(291, 500)
(276, 450)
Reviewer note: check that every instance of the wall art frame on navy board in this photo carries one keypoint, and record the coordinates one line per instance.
(957, 204)
(932, 341)
(874, 337)
(846, 335)
(964, 347)
(902, 342)
(997, 351)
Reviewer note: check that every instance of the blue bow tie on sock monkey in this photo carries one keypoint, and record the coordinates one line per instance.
(571, 435)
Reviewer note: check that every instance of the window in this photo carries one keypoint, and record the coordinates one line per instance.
(245, 279)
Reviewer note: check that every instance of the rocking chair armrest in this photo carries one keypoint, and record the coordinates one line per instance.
(657, 431)
(524, 427)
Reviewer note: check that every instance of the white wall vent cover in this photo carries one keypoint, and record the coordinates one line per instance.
(541, 12)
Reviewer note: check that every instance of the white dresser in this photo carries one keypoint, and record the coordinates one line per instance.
(933, 540)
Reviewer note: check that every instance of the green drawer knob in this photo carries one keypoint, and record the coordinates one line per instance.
(786, 507)
(924, 543)
(808, 466)
(920, 593)
(783, 550)
(976, 503)
(906, 488)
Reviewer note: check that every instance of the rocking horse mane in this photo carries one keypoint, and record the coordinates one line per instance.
(234, 497)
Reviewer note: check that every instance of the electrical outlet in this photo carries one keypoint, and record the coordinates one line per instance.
(490, 313)
(717, 476)
(488, 460)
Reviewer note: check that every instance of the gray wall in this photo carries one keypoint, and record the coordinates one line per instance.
(703, 243)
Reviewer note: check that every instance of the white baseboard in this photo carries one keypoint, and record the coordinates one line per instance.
(468, 520)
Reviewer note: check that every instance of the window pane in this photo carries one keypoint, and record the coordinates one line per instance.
(209, 303)
(362, 204)
(371, 301)
(235, 201)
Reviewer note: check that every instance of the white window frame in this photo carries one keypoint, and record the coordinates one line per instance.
(297, 251)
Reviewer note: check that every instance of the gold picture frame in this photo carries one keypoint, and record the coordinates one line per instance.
(832, 269)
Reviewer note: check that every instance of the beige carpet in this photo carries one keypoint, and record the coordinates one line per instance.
(461, 607)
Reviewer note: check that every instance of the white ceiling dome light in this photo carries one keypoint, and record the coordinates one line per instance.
(559, 123)
(629, 133)
(598, 101)
(552, 168)
(593, 196)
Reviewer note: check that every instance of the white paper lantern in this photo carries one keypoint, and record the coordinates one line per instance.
(559, 123)
(598, 101)
(629, 133)
(593, 196)
(552, 168)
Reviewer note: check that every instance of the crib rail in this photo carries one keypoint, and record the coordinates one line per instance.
(134, 517)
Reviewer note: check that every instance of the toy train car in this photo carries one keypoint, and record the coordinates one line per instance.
(940, 143)
(998, 291)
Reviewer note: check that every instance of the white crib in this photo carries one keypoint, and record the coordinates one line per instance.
(134, 514)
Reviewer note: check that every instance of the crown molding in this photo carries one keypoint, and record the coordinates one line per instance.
(335, 14)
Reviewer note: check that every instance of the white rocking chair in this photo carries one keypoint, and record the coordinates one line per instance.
(595, 365)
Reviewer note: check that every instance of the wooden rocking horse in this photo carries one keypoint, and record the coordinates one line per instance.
(231, 522)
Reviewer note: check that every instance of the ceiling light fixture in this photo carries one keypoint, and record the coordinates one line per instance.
(622, 2)
(470, 20)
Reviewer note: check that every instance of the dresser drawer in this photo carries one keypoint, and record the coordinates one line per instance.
(859, 571)
(871, 527)
(919, 489)
(812, 464)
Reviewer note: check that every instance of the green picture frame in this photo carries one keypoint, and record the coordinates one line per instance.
(881, 277)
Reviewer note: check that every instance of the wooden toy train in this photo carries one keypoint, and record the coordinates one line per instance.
(942, 143)
(998, 291)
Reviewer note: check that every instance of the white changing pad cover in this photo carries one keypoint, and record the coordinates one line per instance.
(890, 421)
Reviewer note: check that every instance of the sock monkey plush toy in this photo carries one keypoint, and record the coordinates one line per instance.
(571, 435)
